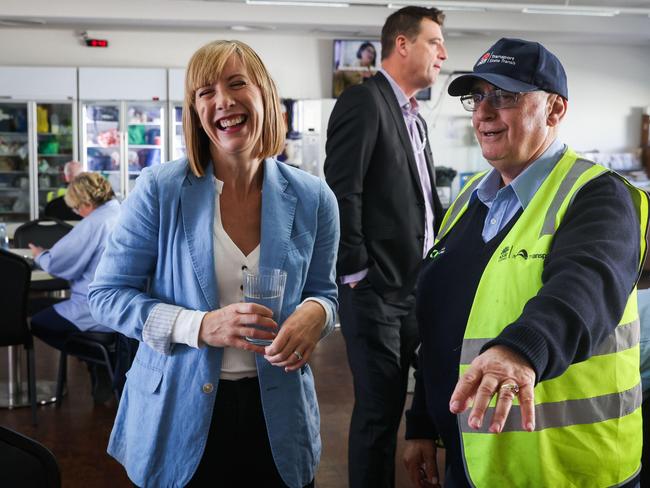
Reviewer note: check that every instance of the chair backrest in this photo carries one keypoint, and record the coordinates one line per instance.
(26, 463)
(57, 209)
(14, 290)
(41, 232)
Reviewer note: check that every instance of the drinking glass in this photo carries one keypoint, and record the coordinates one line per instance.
(266, 287)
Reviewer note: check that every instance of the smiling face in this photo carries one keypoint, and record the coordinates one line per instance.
(231, 111)
(512, 138)
(425, 55)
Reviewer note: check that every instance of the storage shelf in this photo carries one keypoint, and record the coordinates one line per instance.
(65, 134)
(144, 146)
(12, 155)
(15, 172)
(156, 124)
(102, 147)
(58, 155)
(24, 134)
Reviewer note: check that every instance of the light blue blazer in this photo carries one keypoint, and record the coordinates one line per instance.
(161, 251)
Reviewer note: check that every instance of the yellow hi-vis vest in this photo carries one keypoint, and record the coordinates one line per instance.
(588, 420)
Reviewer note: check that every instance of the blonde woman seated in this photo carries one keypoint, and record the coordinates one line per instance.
(74, 258)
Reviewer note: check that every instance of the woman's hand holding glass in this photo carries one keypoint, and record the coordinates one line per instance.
(297, 338)
(228, 326)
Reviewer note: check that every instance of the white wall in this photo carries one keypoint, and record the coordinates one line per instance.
(608, 85)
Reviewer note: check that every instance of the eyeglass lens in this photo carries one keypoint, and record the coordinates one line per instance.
(498, 99)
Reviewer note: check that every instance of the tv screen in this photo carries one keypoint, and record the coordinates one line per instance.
(357, 60)
(354, 62)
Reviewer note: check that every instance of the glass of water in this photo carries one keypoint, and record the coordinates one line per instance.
(266, 287)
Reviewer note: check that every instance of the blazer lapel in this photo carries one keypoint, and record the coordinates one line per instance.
(197, 209)
(278, 212)
(386, 91)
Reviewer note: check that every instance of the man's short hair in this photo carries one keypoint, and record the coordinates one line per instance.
(406, 21)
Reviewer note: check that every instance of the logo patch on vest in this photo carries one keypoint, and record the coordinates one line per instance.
(509, 252)
(436, 253)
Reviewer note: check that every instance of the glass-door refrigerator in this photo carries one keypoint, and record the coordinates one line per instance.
(176, 93)
(36, 140)
(177, 136)
(123, 122)
(15, 195)
(121, 138)
(56, 144)
(38, 127)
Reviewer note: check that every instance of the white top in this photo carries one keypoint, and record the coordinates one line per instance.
(185, 324)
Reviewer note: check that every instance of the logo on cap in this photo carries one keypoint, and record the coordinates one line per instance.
(484, 59)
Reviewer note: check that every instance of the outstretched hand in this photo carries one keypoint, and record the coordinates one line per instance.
(501, 371)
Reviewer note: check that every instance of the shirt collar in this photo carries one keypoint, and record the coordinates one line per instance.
(218, 184)
(407, 105)
(527, 183)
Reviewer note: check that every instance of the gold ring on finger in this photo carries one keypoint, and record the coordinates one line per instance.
(298, 355)
(513, 387)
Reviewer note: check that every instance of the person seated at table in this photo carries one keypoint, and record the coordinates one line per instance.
(56, 206)
(74, 258)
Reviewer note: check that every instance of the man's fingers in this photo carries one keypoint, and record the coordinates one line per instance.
(484, 394)
(506, 395)
(465, 389)
(527, 405)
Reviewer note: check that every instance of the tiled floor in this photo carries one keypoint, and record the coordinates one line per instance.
(77, 433)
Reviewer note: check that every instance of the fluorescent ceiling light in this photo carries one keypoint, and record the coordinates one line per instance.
(592, 12)
(445, 8)
(297, 3)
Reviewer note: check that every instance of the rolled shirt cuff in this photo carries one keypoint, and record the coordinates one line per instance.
(355, 277)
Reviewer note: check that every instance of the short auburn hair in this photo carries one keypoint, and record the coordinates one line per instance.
(204, 68)
(406, 22)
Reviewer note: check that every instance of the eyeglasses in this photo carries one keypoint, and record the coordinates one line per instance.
(498, 99)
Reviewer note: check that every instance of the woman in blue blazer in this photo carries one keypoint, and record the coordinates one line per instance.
(203, 406)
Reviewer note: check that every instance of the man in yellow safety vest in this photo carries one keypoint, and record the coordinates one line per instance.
(526, 305)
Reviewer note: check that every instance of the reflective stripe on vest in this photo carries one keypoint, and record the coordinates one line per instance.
(588, 420)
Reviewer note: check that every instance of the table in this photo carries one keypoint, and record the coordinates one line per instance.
(15, 392)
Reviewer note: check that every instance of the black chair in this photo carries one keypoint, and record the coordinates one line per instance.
(14, 329)
(42, 232)
(26, 463)
(57, 209)
(113, 351)
(98, 348)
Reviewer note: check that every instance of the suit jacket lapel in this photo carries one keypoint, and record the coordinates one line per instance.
(197, 209)
(278, 212)
(396, 112)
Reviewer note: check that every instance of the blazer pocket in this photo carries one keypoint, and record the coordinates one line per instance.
(143, 378)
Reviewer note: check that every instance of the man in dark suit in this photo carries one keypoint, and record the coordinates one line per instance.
(380, 167)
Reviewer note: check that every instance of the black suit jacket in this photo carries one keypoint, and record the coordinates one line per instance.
(371, 168)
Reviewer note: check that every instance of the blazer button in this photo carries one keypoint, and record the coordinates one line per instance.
(208, 388)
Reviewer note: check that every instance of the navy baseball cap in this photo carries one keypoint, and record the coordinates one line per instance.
(515, 65)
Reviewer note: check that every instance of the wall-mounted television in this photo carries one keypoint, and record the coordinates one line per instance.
(354, 62)
(357, 60)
